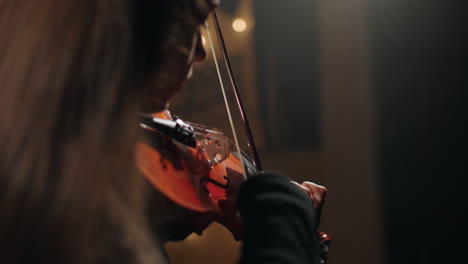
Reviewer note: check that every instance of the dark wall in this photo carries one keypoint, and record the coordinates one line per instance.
(287, 65)
(420, 74)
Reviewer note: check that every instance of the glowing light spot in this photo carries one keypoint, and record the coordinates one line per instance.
(239, 25)
(203, 40)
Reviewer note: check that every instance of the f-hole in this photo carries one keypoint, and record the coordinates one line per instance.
(220, 185)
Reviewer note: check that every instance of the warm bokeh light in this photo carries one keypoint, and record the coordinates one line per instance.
(203, 40)
(239, 25)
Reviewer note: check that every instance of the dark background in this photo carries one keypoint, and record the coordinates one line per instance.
(419, 53)
(417, 57)
(366, 97)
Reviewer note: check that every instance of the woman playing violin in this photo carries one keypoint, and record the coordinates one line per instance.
(74, 75)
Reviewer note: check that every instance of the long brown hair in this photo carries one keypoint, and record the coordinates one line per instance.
(71, 73)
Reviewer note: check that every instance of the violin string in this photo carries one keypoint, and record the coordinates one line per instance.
(203, 128)
(203, 135)
(196, 125)
(207, 130)
(228, 110)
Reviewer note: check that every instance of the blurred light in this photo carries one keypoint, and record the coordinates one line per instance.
(203, 40)
(239, 25)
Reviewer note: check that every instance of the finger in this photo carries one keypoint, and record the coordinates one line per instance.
(318, 193)
(303, 188)
(317, 190)
(314, 192)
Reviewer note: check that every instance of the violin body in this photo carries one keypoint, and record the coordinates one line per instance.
(192, 177)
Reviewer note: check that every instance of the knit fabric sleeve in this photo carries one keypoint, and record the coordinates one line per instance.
(279, 222)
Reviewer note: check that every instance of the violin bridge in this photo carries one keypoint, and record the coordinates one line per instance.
(216, 146)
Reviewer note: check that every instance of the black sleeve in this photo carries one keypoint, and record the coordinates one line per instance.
(279, 222)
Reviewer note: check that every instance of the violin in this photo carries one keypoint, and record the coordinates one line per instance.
(194, 167)
(201, 174)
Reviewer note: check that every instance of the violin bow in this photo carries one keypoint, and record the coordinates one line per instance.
(240, 105)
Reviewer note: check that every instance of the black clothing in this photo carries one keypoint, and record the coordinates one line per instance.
(279, 221)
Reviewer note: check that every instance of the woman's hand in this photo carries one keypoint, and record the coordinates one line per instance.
(316, 193)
